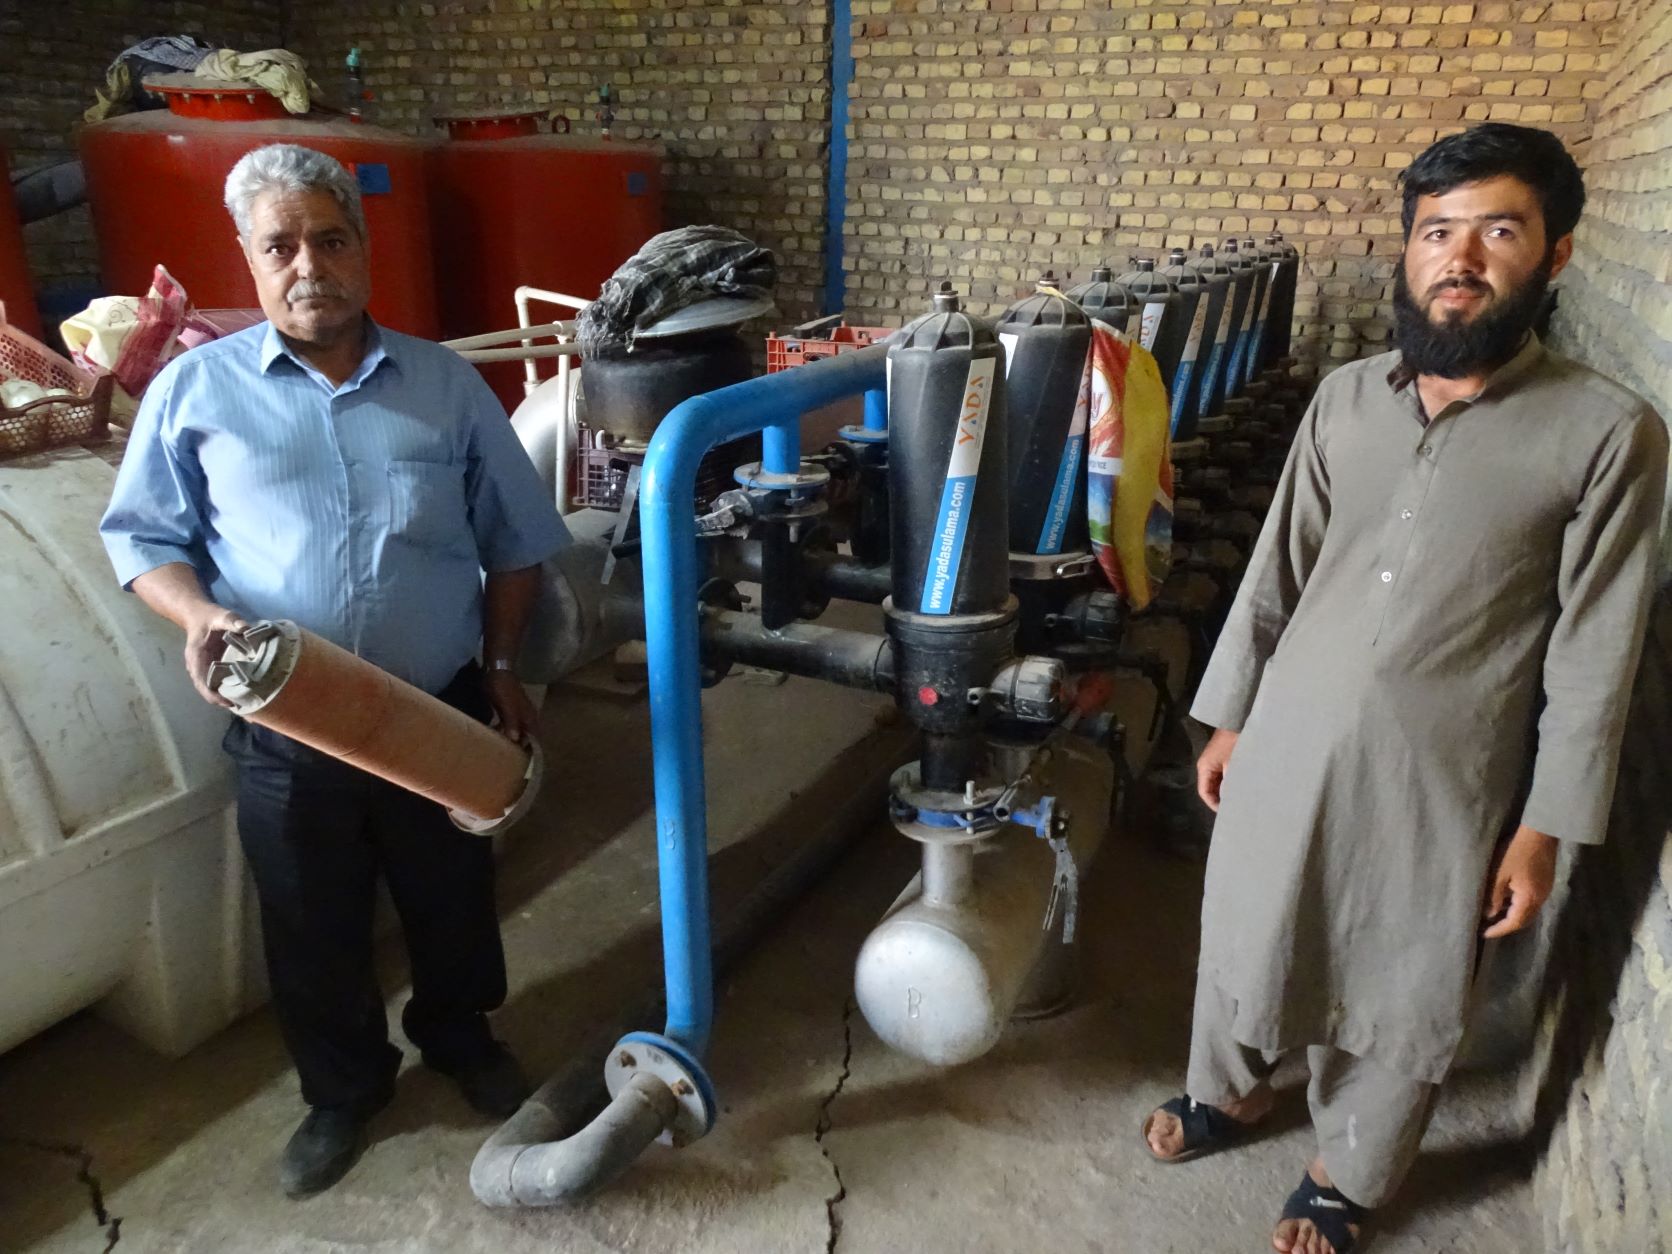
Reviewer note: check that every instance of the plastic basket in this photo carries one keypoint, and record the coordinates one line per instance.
(784, 351)
(602, 472)
(50, 422)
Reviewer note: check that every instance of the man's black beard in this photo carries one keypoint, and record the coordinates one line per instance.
(1455, 349)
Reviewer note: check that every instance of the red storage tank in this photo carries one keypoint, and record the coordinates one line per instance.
(514, 207)
(17, 293)
(155, 181)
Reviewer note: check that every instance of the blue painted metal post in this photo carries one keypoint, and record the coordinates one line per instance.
(781, 447)
(670, 600)
(836, 177)
(876, 409)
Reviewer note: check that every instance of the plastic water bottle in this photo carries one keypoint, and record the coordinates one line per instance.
(356, 86)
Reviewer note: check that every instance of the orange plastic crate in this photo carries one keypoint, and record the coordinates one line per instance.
(782, 352)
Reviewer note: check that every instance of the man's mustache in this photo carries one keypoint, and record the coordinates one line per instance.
(1463, 282)
(314, 289)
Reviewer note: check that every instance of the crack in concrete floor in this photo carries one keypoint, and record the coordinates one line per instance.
(112, 1224)
(833, 1218)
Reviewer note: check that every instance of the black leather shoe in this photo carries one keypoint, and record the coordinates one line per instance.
(492, 1082)
(321, 1151)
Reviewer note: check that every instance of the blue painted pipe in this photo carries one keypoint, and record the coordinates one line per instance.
(836, 174)
(781, 446)
(876, 409)
(670, 613)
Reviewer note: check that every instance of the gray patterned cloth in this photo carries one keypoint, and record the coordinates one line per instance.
(673, 270)
(162, 54)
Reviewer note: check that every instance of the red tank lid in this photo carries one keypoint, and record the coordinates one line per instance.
(229, 101)
(491, 124)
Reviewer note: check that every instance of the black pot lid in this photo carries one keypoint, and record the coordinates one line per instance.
(709, 315)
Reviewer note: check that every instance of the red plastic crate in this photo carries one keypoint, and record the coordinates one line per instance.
(782, 351)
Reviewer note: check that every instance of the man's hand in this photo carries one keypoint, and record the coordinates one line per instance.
(518, 719)
(1521, 881)
(174, 591)
(1210, 767)
(205, 642)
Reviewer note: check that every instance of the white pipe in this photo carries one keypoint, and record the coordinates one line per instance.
(519, 354)
(565, 429)
(562, 330)
(523, 296)
(566, 384)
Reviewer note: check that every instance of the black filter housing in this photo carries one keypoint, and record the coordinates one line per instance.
(1222, 384)
(1204, 294)
(1165, 314)
(1280, 321)
(1260, 310)
(1108, 301)
(1217, 340)
(1047, 338)
(948, 495)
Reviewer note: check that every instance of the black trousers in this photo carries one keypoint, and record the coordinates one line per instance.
(317, 834)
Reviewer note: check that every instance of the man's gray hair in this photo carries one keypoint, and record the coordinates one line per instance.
(290, 168)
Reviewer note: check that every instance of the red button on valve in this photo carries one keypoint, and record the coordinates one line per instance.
(927, 695)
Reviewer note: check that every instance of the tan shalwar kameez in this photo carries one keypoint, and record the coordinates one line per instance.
(1434, 642)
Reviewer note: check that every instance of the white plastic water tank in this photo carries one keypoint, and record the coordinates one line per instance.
(121, 884)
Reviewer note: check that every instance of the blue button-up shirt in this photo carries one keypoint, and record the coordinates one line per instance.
(365, 512)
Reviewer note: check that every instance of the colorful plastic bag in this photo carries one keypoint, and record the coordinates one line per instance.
(1129, 492)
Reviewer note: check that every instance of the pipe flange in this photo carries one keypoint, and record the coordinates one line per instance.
(934, 816)
(949, 624)
(534, 775)
(863, 435)
(651, 1053)
(722, 594)
(930, 834)
(808, 476)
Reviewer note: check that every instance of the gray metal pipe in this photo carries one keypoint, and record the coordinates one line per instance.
(576, 616)
(523, 1164)
(948, 874)
(854, 659)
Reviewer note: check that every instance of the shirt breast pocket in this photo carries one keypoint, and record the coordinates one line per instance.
(427, 507)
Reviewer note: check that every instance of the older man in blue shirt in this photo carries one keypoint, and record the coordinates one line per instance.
(321, 468)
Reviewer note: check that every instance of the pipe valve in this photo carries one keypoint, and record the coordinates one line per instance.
(1031, 689)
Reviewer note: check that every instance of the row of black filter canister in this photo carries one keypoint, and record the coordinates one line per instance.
(987, 468)
(1218, 321)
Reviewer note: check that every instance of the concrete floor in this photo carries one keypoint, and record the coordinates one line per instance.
(826, 1140)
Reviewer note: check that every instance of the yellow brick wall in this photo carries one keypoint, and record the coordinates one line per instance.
(994, 139)
(1604, 1066)
(1601, 1075)
(1616, 310)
